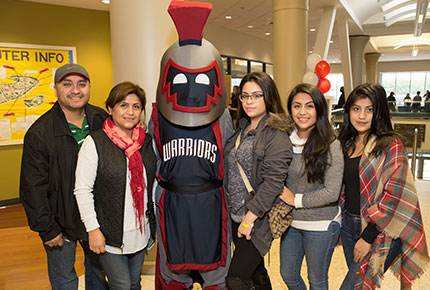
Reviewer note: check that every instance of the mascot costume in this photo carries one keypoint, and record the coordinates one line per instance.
(190, 125)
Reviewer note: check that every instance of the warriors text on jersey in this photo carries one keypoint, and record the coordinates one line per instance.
(191, 172)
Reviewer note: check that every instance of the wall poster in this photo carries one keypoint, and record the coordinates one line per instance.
(27, 85)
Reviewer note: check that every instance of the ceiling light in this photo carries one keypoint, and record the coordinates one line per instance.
(413, 41)
(250, 26)
(241, 62)
(392, 4)
(228, 17)
(267, 33)
(400, 10)
(312, 30)
(414, 52)
(310, 51)
(400, 18)
(106, 1)
(331, 41)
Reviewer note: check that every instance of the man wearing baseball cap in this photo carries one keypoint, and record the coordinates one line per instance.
(49, 157)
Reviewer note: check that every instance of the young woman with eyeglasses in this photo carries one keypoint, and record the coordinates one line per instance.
(262, 148)
(381, 220)
(312, 187)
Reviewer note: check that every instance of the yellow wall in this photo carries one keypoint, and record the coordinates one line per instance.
(34, 23)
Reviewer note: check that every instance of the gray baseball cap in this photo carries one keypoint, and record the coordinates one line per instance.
(70, 68)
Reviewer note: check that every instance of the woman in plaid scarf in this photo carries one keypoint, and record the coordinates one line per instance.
(381, 223)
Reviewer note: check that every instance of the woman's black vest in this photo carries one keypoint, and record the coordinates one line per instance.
(110, 184)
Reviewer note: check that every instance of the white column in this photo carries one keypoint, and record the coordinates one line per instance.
(290, 22)
(372, 67)
(343, 33)
(358, 42)
(325, 30)
(141, 31)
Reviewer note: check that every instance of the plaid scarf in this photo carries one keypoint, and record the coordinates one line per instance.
(389, 199)
(135, 165)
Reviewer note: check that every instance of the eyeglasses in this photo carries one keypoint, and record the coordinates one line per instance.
(254, 97)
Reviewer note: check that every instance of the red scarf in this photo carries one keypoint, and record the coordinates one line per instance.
(135, 164)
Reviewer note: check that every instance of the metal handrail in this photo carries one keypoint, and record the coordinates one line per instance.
(414, 152)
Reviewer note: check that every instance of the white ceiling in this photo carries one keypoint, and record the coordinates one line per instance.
(364, 16)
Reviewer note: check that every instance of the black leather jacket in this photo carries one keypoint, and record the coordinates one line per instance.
(48, 174)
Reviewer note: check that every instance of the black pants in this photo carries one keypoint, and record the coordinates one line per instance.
(247, 263)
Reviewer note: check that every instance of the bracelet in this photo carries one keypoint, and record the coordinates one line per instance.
(246, 225)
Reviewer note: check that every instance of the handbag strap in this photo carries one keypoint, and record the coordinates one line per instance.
(242, 173)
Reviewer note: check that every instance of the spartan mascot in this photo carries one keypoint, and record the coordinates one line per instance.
(190, 125)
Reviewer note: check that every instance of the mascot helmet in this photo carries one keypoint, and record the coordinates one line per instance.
(191, 90)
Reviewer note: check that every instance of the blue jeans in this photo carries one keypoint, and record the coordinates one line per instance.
(350, 233)
(317, 246)
(123, 271)
(61, 267)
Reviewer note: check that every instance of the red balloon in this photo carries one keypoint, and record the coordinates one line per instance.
(324, 85)
(322, 69)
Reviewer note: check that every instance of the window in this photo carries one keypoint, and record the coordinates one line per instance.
(225, 64)
(269, 69)
(239, 67)
(402, 83)
(336, 82)
(256, 66)
(388, 81)
(418, 82)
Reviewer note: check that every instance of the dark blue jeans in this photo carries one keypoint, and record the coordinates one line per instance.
(123, 271)
(61, 267)
(350, 233)
(317, 247)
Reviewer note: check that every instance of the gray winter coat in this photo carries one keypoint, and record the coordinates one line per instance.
(272, 154)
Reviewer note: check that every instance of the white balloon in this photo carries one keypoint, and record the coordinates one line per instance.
(310, 78)
(312, 61)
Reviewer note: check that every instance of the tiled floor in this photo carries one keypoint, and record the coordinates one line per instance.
(338, 266)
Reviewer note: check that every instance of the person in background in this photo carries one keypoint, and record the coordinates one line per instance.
(416, 106)
(115, 173)
(381, 220)
(407, 101)
(341, 101)
(262, 148)
(234, 102)
(312, 187)
(426, 98)
(49, 157)
(392, 102)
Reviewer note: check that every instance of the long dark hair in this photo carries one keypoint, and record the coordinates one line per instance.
(272, 100)
(381, 124)
(317, 147)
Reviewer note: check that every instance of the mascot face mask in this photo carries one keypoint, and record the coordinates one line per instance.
(191, 90)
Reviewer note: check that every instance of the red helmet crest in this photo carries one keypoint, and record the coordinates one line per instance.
(190, 19)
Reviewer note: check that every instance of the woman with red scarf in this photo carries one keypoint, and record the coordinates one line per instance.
(114, 178)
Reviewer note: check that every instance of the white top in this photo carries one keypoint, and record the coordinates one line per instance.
(321, 225)
(86, 171)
